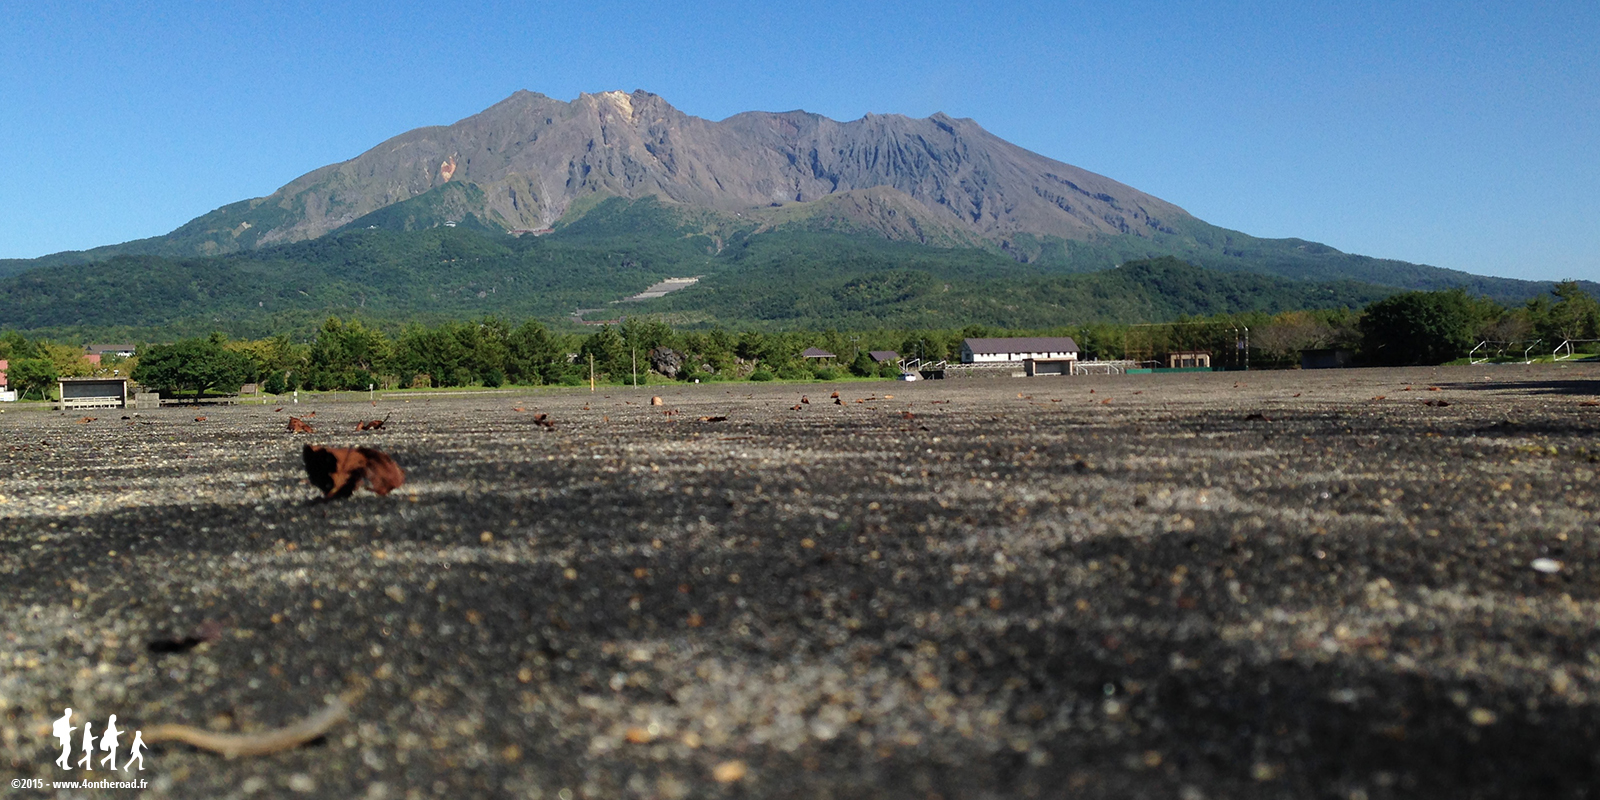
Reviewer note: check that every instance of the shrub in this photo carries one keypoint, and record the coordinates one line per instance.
(276, 383)
(761, 375)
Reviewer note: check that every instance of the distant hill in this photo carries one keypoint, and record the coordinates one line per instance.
(538, 207)
(532, 162)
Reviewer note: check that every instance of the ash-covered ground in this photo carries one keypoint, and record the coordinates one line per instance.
(1265, 584)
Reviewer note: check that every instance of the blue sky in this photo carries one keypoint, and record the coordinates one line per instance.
(1453, 134)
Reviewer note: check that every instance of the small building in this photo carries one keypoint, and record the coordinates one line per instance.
(4, 365)
(1189, 359)
(118, 350)
(93, 393)
(883, 356)
(1027, 348)
(1038, 355)
(817, 353)
(1325, 358)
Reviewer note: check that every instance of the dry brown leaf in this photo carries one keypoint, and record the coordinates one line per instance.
(655, 401)
(543, 420)
(337, 470)
(729, 771)
(372, 425)
(714, 419)
(805, 400)
(298, 425)
(87, 420)
(199, 419)
(835, 395)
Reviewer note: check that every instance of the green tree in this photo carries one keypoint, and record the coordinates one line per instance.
(534, 356)
(1575, 315)
(192, 364)
(863, 366)
(346, 355)
(606, 347)
(32, 375)
(1421, 327)
(14, 346)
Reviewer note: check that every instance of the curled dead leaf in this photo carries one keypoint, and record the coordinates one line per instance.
(372, 425)
(655, 401)
(199, 419)
(87, 420)
(729, 771)
(298, 425)
(337, 470)
(714, 419)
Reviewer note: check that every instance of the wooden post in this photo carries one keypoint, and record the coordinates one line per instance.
(591, 373)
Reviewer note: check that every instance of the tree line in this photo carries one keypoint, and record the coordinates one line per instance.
(1408, 328)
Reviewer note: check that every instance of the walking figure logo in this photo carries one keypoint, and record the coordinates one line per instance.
(63, 729)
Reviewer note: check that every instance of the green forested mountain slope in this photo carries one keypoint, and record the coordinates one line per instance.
(783, 276)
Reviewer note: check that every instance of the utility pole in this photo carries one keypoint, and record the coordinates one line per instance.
(635, 367)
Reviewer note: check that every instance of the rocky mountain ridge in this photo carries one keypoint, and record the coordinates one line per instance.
(531, 158)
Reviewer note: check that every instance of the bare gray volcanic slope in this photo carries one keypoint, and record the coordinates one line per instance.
(533, 157)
